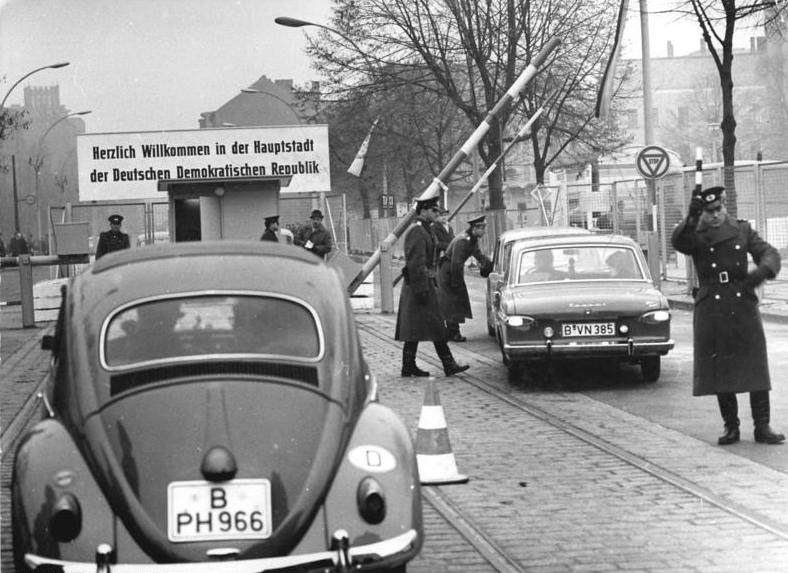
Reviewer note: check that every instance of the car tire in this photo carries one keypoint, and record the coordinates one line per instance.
(650, 367)
(516, 369)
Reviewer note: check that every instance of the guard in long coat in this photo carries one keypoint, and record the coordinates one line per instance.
(419, 317)
(114, 239)
(729, 342)
(452, 290)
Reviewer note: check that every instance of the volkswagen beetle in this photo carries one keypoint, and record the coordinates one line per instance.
(208, 405)
(565, 295)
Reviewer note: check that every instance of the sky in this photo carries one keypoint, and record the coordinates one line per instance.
(149, 65)
(142, 65)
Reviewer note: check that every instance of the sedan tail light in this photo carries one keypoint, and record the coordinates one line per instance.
(371, 501)
(65, 523)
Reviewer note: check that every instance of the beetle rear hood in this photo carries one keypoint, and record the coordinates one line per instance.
(598, 297)
(290, 434)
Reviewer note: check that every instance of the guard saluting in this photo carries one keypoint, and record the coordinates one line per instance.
(112, 240)
(730, 346)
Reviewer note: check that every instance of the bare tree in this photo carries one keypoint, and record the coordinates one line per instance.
(717, 20)
(470, 53)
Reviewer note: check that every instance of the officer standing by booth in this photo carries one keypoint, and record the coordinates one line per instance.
(729, 342)
(114, 239)
(271, 227)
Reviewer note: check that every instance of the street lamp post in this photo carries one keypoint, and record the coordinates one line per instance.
(13, 158)
(38, 162)
(27, 75)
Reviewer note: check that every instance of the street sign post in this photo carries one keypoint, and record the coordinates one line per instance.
(653, 162)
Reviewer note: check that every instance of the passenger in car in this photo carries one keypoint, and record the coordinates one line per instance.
(621, 265)
(542, 269)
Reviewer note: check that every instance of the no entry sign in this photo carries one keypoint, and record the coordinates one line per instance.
(652, 162)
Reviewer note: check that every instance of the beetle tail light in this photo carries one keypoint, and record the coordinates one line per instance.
(371, 501)
(65, 523)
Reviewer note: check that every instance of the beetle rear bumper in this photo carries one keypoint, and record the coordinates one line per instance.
(360, 558)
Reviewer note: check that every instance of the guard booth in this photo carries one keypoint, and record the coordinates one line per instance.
(233, 209)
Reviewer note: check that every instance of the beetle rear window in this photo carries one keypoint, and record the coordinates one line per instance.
(210, 325)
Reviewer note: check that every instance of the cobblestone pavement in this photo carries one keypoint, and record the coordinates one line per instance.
(559, 481)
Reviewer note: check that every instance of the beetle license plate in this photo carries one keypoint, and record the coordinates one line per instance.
(207, 511)
(588, 329)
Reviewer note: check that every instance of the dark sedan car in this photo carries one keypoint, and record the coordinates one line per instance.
(566, 294)
(209, 409)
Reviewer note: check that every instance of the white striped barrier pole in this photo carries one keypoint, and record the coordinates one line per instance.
(698, 170)
(525, 131)
(439, 182)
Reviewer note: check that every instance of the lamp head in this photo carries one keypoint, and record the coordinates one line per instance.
(291, 22)
(59, 65)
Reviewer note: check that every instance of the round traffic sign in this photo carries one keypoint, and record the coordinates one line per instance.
(652, 162)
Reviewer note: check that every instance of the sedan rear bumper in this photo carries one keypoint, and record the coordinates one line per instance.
(580, 349)
(359, 558)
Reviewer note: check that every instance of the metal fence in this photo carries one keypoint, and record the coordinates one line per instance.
(623, 207)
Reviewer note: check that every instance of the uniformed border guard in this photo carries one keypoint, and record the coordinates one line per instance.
(729, 342)
(271, 227)
(419, 317)
(452, 290)
(114, 239)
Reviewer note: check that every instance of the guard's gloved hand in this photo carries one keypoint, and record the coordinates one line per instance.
(756, 277)
(695, 207)
(422, 298)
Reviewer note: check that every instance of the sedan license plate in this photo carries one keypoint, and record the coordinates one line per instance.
(588, 329)
(207, 511)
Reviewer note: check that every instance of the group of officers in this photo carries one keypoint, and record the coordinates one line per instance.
(730, 354)
(434, 297)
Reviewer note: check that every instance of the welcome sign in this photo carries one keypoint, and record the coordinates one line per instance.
(130, 165)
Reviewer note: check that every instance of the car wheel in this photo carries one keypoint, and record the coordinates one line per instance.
(650, 367)
(515, 371)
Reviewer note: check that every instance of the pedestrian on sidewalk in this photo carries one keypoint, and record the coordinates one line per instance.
(452, 290)
(729, 342)
(419, 317)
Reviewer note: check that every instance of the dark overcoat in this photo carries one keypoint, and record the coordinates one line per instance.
(452, 290)
(730, 346)
(110, 241)
(443, 237)
(269, 235)
(416, 322)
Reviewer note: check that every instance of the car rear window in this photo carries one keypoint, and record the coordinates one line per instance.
(578, 263)
(173, 328)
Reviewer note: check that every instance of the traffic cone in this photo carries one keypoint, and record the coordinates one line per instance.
(433, 451)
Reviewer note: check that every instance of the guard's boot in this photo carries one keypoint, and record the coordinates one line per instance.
(450, 366)
(759, 402)
(729, 408)
(409, 367)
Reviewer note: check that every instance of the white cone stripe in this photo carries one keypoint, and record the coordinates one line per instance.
(432, 418)
(436, 467)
